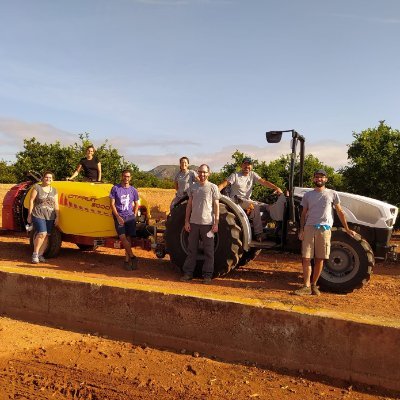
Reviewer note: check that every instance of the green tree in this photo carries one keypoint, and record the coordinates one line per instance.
(63, 160)
(40, 157)
(374, 164)
(277, 172)
(7, 173)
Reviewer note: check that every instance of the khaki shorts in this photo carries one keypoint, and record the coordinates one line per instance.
(316, 243)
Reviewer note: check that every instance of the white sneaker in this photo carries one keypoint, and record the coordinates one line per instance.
(35, 259)
(41, 258)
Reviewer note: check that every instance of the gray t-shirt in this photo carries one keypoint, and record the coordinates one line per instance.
(184, 179)
(320, 206)
(203, 200)
(44, 204)
(242, 185)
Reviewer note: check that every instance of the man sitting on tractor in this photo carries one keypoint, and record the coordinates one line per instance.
(241, 188)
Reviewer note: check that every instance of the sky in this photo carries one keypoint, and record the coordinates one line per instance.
(161, 79)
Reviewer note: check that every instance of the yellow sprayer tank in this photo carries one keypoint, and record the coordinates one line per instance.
(85, 208)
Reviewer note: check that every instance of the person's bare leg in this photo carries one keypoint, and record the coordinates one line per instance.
(38, 242)
(44, 245)
(306, 271)
(318, 266)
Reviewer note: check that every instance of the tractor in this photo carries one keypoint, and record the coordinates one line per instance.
(351, 260)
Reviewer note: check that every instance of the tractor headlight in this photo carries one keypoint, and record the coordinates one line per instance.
(389, 222)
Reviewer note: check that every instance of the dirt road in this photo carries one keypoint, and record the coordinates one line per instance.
(39, 362)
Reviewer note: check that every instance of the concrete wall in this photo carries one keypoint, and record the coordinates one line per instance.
(358, 352)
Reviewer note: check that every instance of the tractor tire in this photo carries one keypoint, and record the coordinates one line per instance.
(350, 263)
(228, 246)
(248, 256)
(54, 243)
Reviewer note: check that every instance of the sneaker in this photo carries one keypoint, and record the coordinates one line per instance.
(305, 290)
(315, 291)
(185, 278)
(134, 264)
(35, 259)
(41, 258)
(206, 281)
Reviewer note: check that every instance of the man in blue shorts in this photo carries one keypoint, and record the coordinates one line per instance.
(315, 230)
(125, 205)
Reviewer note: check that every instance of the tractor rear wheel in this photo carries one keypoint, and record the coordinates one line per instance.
(248, 256)
(227, 244)
(350, 263)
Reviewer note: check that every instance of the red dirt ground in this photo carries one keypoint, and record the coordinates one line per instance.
(39, 362)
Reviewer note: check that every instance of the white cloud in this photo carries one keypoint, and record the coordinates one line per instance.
(13, 132)
(331, 153)
(162, 149)
(369, 19)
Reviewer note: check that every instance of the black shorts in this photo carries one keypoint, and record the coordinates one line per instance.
(128, 228)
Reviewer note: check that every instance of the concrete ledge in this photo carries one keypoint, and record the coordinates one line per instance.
(342, 348)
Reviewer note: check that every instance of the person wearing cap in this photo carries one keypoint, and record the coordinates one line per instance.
(315, 230)
(201, 221)
(241, 184)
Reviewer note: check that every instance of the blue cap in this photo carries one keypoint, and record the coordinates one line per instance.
(247, 160)
(320, 172)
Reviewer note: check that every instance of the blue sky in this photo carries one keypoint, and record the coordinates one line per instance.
(165, 78)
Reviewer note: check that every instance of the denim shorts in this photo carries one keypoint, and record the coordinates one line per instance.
(42, 225)
(128, 228)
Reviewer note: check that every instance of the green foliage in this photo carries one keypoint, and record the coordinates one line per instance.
(142, 179)
(40, 157)
(62, 161)
(375, 164)
(7, 173)
(277, 172)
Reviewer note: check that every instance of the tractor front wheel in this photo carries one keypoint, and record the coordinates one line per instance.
(350, 263)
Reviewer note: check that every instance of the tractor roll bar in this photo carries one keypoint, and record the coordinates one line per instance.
(275, 137)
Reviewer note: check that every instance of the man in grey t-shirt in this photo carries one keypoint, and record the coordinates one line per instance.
(241, 188)
(315, 230)
(201, 221)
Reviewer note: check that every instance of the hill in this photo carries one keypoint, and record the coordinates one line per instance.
(168, 171)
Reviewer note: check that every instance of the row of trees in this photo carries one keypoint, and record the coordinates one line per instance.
(373, 170)
(62, 161)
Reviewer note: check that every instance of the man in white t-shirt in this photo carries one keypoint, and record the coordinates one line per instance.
(201, 221)
(241, 188)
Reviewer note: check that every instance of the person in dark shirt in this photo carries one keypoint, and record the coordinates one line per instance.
(91, 167)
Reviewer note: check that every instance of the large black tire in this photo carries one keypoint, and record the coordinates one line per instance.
(350, 263)
(54, 243)
(228, 246)
(248, 256)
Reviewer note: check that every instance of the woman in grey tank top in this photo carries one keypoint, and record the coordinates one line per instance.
(43, 214)
(183, 180)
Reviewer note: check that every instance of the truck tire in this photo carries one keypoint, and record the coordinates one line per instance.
(350, 263)
(228, 246)
(248, 256)
(54, 243)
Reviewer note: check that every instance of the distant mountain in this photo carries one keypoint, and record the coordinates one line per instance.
(168, 171)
